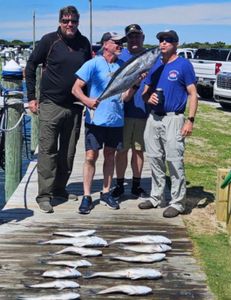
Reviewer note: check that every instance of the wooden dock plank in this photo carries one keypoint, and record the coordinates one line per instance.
(23, 226)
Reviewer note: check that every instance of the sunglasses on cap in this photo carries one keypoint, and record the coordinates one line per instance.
(167, 39)
(66, 21)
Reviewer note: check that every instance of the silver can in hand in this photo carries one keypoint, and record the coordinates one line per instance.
(160, 95)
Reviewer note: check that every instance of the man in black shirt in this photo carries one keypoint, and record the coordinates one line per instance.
(61, 53)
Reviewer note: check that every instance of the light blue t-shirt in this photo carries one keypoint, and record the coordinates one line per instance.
(173, 78)
(97, 73)
(135, 107)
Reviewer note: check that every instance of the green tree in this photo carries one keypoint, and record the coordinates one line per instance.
(17, 42)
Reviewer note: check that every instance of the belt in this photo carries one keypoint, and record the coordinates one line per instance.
(172, 113)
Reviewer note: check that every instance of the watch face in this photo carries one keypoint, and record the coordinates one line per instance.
(191, 119)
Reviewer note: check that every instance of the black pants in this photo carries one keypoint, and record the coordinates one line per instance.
(59, 130)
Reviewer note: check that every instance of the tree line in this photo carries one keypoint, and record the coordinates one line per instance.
(184, 45)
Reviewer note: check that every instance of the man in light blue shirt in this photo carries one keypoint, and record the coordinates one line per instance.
(103, 127)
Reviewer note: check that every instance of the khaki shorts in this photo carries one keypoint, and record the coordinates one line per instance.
(133, 134)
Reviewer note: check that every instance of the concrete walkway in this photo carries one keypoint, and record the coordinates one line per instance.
(23, 226)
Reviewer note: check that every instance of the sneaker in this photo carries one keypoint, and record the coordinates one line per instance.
(138, 192)
(117, 192)
(170, 212)
(45, 206)
(86, 205)
(147, 205)
(108, 200)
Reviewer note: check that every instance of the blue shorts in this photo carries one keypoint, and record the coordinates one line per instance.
(97, 136)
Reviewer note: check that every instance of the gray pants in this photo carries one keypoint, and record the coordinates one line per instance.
(165, 144)
(59, 130)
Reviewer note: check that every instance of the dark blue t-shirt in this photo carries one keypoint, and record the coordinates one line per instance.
(134, 108)
(173, 78)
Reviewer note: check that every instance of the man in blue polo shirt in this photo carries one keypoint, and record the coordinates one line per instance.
(135, 112)
(166, 126)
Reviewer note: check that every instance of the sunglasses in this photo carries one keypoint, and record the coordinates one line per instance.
(167, 39)
(119, 43)
(66, 21)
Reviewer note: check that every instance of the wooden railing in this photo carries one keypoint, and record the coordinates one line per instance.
(223, 199)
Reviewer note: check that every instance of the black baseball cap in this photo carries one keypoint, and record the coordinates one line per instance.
(114, 36)
(133, 28)
(168, 33)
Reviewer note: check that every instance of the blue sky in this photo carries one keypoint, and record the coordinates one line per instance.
(195, 21)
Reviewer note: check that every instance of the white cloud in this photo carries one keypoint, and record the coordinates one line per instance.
(167, 17)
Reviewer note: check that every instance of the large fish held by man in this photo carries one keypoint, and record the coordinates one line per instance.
(126, 76)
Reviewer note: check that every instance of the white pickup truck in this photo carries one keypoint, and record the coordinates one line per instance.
(222, 89)
(207, 64)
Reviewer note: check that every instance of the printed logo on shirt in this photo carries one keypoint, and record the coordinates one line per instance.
(173, 75)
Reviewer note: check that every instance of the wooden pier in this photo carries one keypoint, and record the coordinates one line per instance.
(23, 226)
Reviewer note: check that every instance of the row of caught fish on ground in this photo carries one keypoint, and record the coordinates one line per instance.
(151, 248)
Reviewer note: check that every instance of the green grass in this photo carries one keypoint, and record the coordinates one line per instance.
(215, 254)
(208, 149)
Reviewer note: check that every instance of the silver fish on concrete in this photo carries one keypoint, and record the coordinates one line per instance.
(133, 273)
(75, 234)
(82, 241)
(127, 289)
(70, 263)
(126, 76)
(144, 239)
(149, 248)
(61, 296)
(57, 284)
(62, 273)
(144, 258)
(80, 251)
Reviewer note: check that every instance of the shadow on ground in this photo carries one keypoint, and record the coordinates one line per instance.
(14, 214)
(196, 196)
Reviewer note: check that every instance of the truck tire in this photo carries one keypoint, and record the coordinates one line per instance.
(205, 92)
(225, 105)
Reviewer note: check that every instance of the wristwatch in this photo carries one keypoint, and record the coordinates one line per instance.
(191, 119)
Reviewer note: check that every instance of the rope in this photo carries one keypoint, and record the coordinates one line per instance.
(5, 104)
(15, 126)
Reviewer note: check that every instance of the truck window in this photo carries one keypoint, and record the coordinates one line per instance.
(212, 54)
(189, 54)
(181, 54)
